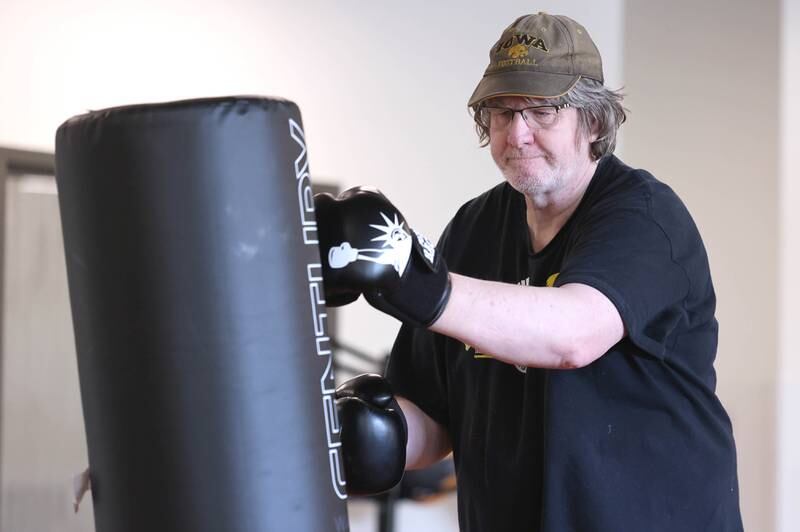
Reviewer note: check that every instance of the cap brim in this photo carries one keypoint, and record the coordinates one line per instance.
(521, 83)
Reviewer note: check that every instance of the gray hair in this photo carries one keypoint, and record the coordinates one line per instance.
(599, 109)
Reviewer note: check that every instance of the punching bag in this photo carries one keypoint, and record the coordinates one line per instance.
(196, 292)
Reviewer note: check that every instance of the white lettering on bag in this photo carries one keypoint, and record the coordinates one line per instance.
(305, 198)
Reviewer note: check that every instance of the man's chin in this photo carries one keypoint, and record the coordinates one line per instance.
(522, 182)
(527, 173)
(527, 183)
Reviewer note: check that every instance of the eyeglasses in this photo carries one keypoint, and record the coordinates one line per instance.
(536, 117)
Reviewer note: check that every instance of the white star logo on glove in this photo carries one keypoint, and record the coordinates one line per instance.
(395, 251)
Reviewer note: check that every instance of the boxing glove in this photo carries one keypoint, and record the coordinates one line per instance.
(367, 247)
(373, 435)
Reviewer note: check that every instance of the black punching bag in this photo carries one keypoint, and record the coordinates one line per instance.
(195, 285)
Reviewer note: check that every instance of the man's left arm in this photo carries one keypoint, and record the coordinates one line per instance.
(564, 327)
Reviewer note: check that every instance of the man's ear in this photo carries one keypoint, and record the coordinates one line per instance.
(594, 132)
(589, 138)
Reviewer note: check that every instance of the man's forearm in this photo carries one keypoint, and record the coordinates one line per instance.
(565, 327)
(428, 441)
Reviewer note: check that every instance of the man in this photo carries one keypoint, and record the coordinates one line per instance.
(560, 339)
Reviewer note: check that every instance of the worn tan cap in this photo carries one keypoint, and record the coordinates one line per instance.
(539, 56)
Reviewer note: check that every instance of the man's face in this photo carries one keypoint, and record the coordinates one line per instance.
(539, 161)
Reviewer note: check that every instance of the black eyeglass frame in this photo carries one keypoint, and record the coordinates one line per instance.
(487, 124)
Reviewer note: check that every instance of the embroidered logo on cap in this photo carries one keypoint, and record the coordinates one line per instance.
(524, 40)
(517, 51)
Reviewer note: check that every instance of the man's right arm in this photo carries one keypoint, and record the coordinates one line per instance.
(428, 441)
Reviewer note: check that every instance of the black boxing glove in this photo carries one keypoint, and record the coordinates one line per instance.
(367, 247)
(373, 434)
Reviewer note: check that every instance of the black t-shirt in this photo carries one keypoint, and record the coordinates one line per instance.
(636, 441)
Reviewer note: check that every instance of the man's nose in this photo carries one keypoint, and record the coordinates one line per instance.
(519, 134)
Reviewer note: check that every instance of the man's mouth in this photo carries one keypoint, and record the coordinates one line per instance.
(524, 157)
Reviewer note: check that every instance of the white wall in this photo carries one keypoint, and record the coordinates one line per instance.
(788, 514)
(41, 440)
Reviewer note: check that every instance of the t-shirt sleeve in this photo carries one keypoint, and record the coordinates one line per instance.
(416, 371)
(631, 250)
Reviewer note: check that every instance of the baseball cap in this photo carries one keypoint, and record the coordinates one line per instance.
(539, 56)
